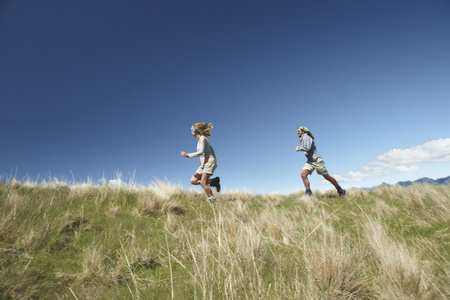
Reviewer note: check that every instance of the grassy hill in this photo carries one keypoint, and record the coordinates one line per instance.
(162, 242)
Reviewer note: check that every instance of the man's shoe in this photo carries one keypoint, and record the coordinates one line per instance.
(308, 192)
(342, 193)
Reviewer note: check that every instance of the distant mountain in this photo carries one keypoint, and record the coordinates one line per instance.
(425, 180)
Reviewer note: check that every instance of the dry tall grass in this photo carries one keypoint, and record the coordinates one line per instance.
(160, 242)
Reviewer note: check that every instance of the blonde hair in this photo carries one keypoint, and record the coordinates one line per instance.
(203, 128)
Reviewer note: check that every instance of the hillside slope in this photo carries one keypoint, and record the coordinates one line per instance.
(161, 242)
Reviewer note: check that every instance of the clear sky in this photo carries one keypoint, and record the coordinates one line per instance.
(89, 88)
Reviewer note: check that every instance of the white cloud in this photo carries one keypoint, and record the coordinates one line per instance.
(402, 160)
(338, 178)
(432, 151)
(404, 169)
(356, 175)
(377, 171)
(350, 177)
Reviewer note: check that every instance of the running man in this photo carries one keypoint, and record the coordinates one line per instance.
(313, 161)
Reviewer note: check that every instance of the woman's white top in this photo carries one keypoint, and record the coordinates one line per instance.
(204, 149)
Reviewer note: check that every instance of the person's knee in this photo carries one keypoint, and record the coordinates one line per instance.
(330, 179)
(195, 181)
(304, 175)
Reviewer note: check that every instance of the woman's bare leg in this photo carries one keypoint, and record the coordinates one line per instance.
(204, 183)
(196, 178)
(202, 179)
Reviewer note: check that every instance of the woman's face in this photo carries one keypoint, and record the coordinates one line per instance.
(196, 134)
(300, 132)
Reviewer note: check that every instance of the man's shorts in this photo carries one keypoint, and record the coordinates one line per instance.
(207, 168)
(318, 165)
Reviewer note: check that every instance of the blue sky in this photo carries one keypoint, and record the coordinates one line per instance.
(92, 88)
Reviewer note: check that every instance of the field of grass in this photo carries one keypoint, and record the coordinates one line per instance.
(162, 242)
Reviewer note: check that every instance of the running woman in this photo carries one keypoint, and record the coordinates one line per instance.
(207, 159)
(313, 161)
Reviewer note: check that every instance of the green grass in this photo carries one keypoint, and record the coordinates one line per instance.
(161, 242)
